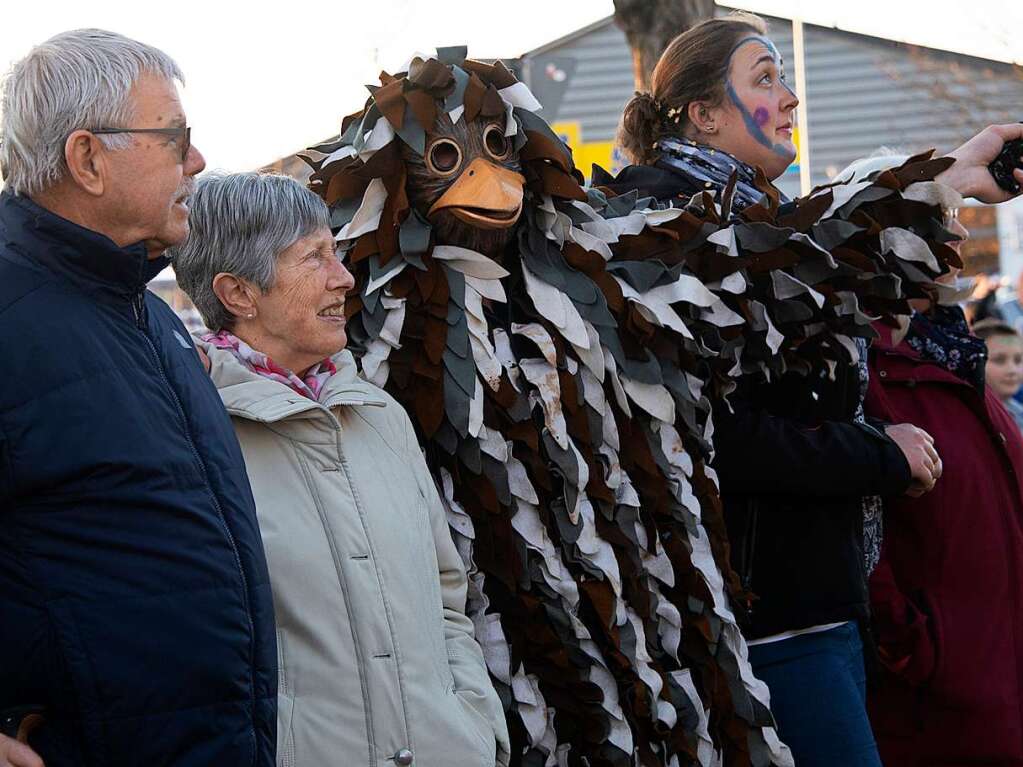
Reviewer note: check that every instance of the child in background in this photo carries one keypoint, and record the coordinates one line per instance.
(1004, 369)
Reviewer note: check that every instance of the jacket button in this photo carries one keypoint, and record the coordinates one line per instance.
(883, 374)
(1002, 437)
(403, 757)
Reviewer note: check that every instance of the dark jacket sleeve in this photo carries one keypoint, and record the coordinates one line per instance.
(758, 453)
(6, 489)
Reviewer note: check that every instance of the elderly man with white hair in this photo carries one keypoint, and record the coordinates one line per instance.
(136, 621)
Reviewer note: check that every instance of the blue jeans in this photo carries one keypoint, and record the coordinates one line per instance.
(818, 696)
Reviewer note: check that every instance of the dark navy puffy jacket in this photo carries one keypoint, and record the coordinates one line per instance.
(134, 597)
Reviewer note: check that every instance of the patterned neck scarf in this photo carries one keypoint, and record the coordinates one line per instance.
(259, 363)
(943, 336)
(711, 168)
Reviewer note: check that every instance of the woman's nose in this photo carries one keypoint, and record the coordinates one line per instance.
(341, 279)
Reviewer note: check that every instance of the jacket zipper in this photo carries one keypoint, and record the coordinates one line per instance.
(748, 550)
(138, 309)
(343, 582)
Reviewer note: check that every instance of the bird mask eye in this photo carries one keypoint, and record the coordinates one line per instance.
(497, 144)
(444, 157)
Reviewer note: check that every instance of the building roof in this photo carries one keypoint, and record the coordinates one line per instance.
(582, 31)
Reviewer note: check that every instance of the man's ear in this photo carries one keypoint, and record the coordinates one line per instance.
(235, 294)
(87, 162)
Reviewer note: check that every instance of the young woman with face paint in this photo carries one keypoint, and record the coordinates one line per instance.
(795, 457)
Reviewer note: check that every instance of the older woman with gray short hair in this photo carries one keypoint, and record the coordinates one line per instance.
(378, 662)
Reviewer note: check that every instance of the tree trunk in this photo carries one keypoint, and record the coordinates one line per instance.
(649, 26)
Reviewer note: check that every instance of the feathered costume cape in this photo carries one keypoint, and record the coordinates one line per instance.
(563, 395)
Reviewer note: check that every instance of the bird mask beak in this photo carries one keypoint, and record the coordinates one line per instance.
(485, 196)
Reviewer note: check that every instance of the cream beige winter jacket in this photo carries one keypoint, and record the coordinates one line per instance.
(378, 664)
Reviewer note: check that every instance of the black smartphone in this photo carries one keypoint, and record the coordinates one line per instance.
(1007, 161)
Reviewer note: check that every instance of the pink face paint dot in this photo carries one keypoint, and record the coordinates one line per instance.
(761, 116)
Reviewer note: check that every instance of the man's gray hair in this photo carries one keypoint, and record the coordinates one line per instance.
(240, 223)
(76, 80)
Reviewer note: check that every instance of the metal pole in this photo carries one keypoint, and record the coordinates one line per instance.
(799, 64)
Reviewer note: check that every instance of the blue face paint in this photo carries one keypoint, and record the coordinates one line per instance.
(754, 130)
(753, 126)
(755, 38)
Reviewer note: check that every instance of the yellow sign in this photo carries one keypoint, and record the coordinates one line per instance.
(794, 167)
(587, 153)
(604, 153)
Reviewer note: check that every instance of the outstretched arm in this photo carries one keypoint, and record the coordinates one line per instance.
(970, 175)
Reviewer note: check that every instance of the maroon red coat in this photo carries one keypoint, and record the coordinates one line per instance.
(946, 596)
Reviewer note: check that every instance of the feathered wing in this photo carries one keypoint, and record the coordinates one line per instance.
(563, 400)
(801, 281)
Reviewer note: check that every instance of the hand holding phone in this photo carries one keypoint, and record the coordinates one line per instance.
(973, 173)
(1005, 163)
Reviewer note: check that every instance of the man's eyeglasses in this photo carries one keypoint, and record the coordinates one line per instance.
(183, 134)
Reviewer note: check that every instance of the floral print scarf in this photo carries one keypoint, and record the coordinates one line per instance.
(308, 386)
(942, 336)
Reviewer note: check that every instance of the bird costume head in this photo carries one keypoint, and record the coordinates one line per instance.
(454, 142)
(468, 184)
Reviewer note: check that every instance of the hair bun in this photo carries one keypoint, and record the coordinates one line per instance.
(640, 127)
(646, 104)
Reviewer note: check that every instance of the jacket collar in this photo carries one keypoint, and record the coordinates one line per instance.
(885, 342)
(71, 251)
(647, 180)
(900, 362)
(249, 395)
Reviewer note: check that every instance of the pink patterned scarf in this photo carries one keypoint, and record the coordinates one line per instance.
(259, 363)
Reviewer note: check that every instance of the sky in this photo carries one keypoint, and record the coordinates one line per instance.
(266, 79)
